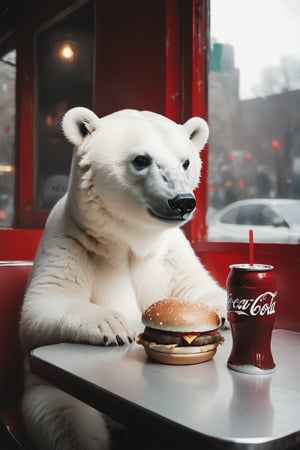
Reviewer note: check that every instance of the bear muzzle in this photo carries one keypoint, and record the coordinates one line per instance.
(178, 208)
(183, 203)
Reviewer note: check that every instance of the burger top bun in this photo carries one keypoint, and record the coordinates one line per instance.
(181, 316)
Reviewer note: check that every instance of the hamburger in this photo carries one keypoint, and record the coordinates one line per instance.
(180, 332)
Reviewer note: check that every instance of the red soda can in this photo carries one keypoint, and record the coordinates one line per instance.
(251, 301)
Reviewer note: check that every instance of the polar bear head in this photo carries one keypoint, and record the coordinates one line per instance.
(136, 166)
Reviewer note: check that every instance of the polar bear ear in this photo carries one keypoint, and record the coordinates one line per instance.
(77, 123)
(198, 132)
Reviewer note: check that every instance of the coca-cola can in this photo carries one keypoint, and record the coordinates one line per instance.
(251, 301)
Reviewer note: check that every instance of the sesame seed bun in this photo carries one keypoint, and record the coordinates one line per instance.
(180, 315)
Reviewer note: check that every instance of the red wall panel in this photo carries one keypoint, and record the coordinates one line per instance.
(19, 244)
(130, 55)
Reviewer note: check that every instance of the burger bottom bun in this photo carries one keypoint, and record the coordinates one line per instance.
(177, 355)
(180, 359)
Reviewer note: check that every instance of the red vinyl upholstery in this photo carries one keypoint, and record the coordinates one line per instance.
(13, 280)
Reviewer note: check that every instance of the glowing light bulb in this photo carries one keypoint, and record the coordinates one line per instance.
(66, 52)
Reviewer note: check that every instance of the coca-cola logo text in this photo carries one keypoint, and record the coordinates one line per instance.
(262, 305)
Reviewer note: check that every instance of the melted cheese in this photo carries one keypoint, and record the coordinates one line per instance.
(189, 338)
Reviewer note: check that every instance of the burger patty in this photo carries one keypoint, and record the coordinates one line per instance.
(166, 337)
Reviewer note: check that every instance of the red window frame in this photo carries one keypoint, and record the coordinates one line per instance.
(26, 216)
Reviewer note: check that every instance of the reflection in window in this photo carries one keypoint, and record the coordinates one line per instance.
(64, 73)
(7, 135)
(254, 97)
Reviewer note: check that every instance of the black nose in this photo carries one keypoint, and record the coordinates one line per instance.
(185, 203)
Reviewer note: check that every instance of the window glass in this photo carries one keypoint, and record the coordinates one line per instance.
(230, 216)
(7, 135)
(254, 114)
(268, 216)
(248, 215)
(64, 74)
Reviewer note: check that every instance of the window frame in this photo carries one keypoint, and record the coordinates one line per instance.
(26, 215)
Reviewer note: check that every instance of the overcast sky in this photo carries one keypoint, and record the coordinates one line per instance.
(262, 32)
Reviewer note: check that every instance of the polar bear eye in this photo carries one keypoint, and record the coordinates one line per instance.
(186, 164)
(141, 162)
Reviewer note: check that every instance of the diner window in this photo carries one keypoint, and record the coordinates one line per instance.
(7, 134)
(254, 118)
(64, 74)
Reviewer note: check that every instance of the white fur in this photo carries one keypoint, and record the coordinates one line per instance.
(104, 257)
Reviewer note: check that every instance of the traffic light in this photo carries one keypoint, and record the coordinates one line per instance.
(276, 145)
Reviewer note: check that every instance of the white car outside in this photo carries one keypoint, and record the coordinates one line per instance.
(272, 220)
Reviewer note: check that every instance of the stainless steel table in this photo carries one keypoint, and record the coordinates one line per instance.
(204, 406)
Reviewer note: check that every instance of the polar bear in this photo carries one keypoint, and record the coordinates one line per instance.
(111, 246)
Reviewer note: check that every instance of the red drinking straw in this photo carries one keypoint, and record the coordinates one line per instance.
(251, 250)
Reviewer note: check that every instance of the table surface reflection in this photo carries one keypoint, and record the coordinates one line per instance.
(199, 404)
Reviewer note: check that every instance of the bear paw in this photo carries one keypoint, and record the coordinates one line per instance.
(114, 329)
(102, 327)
